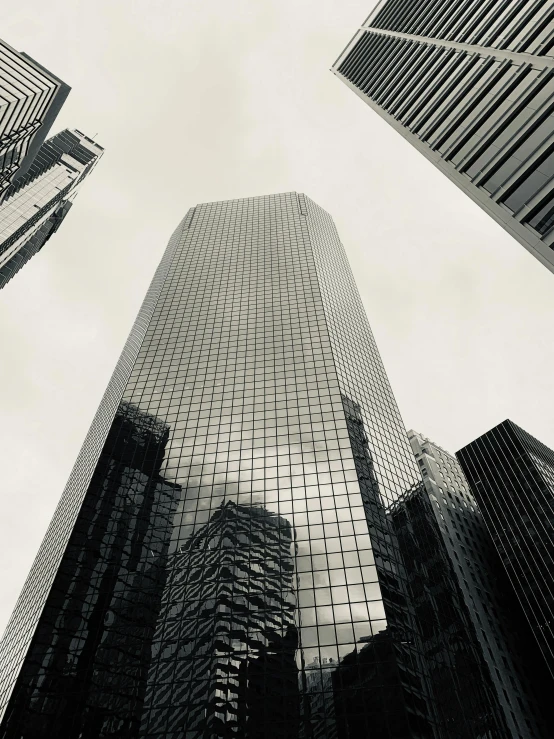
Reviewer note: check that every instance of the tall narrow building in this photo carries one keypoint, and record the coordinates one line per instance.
(36, 202)
(222, 562)
(483, 603)
(511, 475)
(471, 86)
(30, 100)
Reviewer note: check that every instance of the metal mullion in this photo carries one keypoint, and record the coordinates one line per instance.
(388, 98)
(512, 83)
(519, 24)
(396, 16)
(357, 67)
(495, 24)
(458, 30)
(502, 28)
(500, 124)
(395, 66)
(438, 58)
(536, 36)
(348, 49)
(367, 56)
(369, 61)
(349, 62)
(435, 13)
(475, 22)
(493, 12)
(475, 71)
(376, 63)
(496, 16)
(423, 54)
(442, 28)
(456, 71)
(419, 18)
(530, 164)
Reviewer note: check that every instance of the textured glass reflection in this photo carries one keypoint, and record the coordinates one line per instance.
(223, 562)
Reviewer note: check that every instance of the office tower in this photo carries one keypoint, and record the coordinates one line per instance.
(30, 100)
(511, 475)
(471, 86)
(275, 601)
(36, 203)
(476, 584)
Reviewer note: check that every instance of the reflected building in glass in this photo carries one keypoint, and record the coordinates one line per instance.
(471, 86)
(223, 561)
(493, 666)
(36, 203)
(511, 475)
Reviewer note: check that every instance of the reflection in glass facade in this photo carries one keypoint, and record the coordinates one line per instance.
(223, 562)
(30, 100)
(36, 202)
(511, 475)
(481, 598)
(471, 86)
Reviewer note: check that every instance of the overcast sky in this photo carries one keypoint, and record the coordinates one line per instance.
(214, 99)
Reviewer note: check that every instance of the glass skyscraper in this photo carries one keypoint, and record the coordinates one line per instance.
(36, 202)
(471, 86)
(30, 100)
(223, 561)
(511, 475)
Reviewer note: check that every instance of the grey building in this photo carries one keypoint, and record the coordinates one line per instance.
(511, 475)
(471, 86)
(35, 203)
(30, 99)
(476, 571)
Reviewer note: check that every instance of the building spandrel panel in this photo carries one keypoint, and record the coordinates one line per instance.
(223, 561)
(471, 86)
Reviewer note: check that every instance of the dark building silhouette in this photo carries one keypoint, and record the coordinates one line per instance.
(511, 475)
(85, 673)
(471, 87)
(30, 100)
(36, 202)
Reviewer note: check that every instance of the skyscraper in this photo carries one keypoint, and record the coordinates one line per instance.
(222, 561)
(511, 475)
(30, 100)
(36, 202)
(476, 588)
(471, 86)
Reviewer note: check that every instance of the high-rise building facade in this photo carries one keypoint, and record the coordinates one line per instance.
(36, 202)
(479, 589)
(471, 86)
(222, 562)
(30, 99)
(511, 475)
(268, 561)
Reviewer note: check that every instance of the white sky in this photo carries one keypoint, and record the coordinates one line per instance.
(214, 99)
